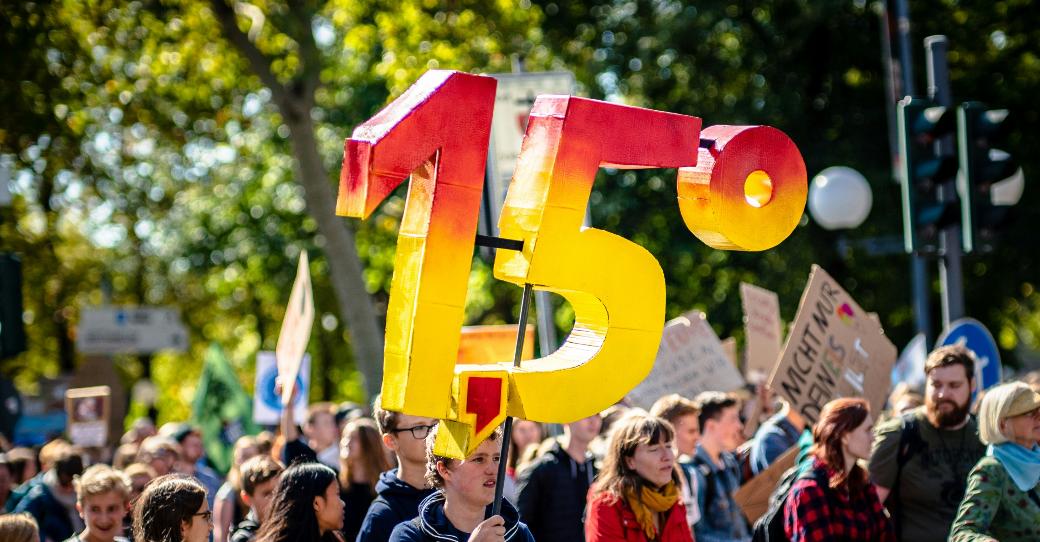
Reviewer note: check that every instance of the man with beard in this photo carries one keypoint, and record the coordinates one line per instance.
(921, 459)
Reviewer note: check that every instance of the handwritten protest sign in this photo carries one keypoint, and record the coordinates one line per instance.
(729, 346)
(753, 497)
(690, 360)
(296, 329)
(763, 329)
(835, 349)
(88, 410)
(491, 344)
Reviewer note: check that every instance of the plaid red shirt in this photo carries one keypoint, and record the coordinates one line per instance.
(817, 514)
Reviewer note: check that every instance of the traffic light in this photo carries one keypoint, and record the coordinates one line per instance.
(12, 330)
(922, 123)
(989, 180)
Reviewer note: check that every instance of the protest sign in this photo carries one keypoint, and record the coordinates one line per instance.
(729, 346)
(753, 497)
(296, 328)
(833, 350)
(267, 403)
(689, 360)
(763, 330)
(493, 344)
(88, 410)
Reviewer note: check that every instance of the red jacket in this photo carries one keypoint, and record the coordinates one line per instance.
(609, 519)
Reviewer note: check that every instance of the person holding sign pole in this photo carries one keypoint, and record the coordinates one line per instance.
(636, 497)
(834, 500)
(921, 459)
(1002, 501)
(458, 510)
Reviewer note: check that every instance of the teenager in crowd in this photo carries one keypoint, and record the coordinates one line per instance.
(636, 497)
(399, 490)
(553, 489)
(682, 413)
(717, 471)
(306, 506)
(228, 507)
(102, 498)
(173, 508)
(258, 477)
(835, 500)
(362, 459)
(52, 501)
(160, 453)
(458, 510)
(1002, 501)
(192, 461)
(320, 440)
(921, 459)
(18, 528)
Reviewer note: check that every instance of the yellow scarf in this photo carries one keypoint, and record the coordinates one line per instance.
(652, 502)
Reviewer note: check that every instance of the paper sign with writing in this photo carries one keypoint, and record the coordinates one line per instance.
(833, 350)
(296, 329)
(690, 360)
(753, 497)
(729, 346)
(763, 329)
(88, 410)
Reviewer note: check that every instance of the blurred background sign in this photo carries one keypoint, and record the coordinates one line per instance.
(130, 330)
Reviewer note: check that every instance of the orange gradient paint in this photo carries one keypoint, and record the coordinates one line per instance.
(748, 189)
(437, 132)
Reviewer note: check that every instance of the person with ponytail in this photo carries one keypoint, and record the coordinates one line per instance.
(636, 497)
(834, 499)
(306, 506)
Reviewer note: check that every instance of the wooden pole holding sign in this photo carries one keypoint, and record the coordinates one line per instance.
(835, 349)
(296, 329)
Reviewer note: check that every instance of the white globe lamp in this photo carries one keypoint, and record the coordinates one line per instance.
(839, 198)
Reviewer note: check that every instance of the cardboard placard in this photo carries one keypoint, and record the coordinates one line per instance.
(729, 346)
(835, 349)
(753, 497)
(689, 360)
(88, 410)
(763, 329)
(296, 328)
(493, 344)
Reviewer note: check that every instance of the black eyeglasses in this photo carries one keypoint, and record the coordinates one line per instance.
(418, 432)
(207, 515)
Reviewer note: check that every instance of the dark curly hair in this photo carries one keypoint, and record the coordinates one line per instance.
(166, 503)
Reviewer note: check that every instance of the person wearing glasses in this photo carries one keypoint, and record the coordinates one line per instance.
(173, 508)
(102, 498)
(306, 506)
(1002, 501)
(399, 491)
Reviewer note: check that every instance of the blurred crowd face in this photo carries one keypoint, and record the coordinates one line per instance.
(653, 462)
(103, 515)
(858, 442)
(1023, 429)
(687, 434)
(526, 433)
(585, 429)
(947, 396)
(726, 428)
(324, 431)
(261, 499)
(192, 448)
(409, 448)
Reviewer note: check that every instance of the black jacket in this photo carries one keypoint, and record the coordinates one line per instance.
(246, 529)
(396, 502)
(431, 525)
(552, 493)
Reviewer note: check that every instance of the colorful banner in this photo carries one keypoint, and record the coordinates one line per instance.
(835, 349)
(222, 410)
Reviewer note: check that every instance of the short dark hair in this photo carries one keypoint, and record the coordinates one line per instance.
(257, 470)
(712, 403)
(954, 354)
(385, 419)
(164, 504)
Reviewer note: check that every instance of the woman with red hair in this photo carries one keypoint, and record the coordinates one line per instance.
(834, 500)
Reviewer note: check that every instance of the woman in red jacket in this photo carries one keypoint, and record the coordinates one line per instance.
(635, 498)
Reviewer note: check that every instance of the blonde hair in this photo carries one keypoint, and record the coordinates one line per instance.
(101, 479)
(994, 408)
(18, 528)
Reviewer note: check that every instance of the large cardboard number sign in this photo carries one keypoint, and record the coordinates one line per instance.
(740, 188)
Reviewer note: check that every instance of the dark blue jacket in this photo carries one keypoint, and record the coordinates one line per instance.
(51, 516)
(396, 502)
(432, 525)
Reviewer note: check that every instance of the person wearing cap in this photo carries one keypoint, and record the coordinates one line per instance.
(1002, 500)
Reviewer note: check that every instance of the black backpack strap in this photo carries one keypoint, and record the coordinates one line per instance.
(909, 443)
(709, 482)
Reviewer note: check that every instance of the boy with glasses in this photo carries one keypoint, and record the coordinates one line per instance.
(399, 490)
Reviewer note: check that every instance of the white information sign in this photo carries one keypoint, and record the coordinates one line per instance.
(110, 330)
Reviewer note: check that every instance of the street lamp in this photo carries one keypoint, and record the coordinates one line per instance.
(839, 198)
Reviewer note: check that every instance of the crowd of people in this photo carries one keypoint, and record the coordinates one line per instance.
(929, 467)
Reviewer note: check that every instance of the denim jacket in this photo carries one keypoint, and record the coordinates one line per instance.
(722, 520)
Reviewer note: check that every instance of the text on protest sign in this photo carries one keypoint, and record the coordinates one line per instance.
(296, 329)
(690, 360)
(833, 350)
(763, 329)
